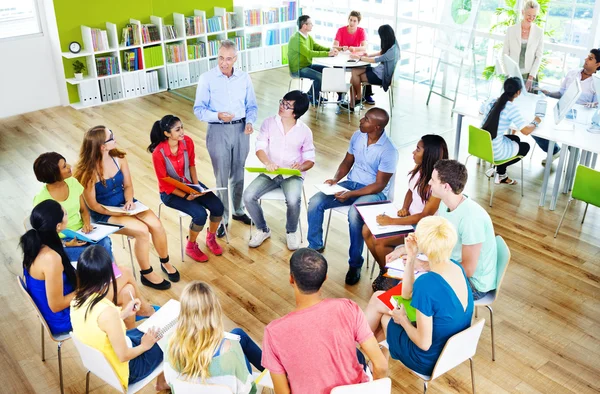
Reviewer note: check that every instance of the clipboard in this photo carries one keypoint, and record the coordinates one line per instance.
(279, 171)
(377, 230)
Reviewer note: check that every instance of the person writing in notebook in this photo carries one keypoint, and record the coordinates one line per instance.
(369, 165)
(313, 348)
(173, 156)
(284, 141)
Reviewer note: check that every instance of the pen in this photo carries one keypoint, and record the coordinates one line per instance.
(132, 299)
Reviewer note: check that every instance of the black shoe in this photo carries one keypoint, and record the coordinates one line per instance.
(321, 250)
(164, 285)
(242, 218)
(174, 277)
(353, 276)
(383, 283)
(346, 106)
(221, 231)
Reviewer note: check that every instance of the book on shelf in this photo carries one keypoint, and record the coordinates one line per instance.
(153, 56)
(150, 34)
(175, 52)
(215, 24)
(213, 47)
(252, 17)
(239, 42)
(169, 32)
(99, 40)
(131, 35)
(212, 63)
(253, 40)
(194, 25)
(272, 37)
(107, 65)
(152, 81)
(270, 16)
(290, 10)
(132, 59)
(196, 50)
(231, 21)
(286, 34)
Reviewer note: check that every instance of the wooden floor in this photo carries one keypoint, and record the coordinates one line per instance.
(547, 317)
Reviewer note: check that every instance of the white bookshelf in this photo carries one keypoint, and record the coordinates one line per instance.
(171, 75)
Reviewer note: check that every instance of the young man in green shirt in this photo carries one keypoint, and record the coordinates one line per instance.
(301, 50)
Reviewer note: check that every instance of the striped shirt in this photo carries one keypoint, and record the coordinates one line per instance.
(503, 147)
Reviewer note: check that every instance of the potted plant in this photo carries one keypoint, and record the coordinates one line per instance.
(78, 68)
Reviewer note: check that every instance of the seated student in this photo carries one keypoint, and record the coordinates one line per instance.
(173, 156)
(98, 322)
(589, 96)
(198, 352)
(49, 275)
(369, 163)
(418, 203)
(499, 115)
(107, 181)
(313, 349)
(284, 141)
(301, 51)
(441, 297)
(381, 74)
(52, 169)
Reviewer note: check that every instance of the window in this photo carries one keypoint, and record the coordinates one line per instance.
(18, 18)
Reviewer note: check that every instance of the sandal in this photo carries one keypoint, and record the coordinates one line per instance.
(504, 179)
(164, 285)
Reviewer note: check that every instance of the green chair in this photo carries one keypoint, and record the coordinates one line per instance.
(480, 146)
(586, 188)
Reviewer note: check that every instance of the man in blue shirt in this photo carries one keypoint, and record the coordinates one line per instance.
(225, 100)
(369, 163)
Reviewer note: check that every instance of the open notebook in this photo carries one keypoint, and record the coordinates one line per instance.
(100, 230)
(138, 207)
(369, 212)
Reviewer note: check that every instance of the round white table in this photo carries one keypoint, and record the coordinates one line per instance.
(342, 60)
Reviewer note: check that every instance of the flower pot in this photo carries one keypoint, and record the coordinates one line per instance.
(79, 76)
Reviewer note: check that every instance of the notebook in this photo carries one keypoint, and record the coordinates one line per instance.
(369, 212)
(189, 187)
(100, 230)
(330, 190)
(279, 171)
(395, 268)
(138, 207)
(393, 298)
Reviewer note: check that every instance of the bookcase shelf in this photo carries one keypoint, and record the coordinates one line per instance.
(155, 74)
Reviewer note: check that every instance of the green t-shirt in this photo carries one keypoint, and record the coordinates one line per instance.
(71, 204)
(474, 226)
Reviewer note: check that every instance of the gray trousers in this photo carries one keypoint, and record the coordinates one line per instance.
(228, 148)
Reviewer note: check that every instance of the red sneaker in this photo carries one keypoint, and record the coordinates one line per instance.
(195, 253)
(212, 244)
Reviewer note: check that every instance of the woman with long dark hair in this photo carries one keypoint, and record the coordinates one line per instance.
(499, 114)
(382, 74)
(104, 173)
(418, 203)
(99, 323)
(173, 157)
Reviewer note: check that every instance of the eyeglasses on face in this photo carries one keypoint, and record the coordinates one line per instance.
(112, 137)
(285, 105)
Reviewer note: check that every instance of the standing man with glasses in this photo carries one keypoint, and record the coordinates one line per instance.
(225, 100)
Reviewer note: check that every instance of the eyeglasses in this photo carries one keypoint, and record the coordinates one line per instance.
(285, 105)
(112, 137)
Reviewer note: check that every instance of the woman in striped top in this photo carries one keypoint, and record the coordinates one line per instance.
(499, 115)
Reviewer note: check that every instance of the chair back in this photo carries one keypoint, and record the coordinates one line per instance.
(95, 362)
(392, 189)
(182, 387)
(27, 223)
(379, 386)
(480, 144)
(587, 185)
(502, 262)
(459, 348)
(334, 80)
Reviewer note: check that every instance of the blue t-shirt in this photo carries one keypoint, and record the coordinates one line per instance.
(503, 147)
(432, 296)
(380, 156)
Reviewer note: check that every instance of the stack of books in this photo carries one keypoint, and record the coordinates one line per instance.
(290, 11)
(150, 34)
(194, 25)
(272, 37)
(252, 17)
(175, 52)
(107, 65)
(239, 42)
(196, 50)
(99, 40)
(131, 34)
(254, 40)
(270, 16)
(152, 81)
(169, 32)
(286, 33)
(132, 60)
(215, 24)
(213, 47)
(230, 21)
(153, 56)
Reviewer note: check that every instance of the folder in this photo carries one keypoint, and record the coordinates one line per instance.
(393, 299)
(279, 171)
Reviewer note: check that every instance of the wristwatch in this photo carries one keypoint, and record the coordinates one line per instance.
(534, 123)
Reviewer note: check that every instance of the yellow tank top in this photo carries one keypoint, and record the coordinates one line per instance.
(88, 332)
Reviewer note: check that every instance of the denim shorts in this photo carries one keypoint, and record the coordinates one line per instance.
(144, 364)
(372, 78)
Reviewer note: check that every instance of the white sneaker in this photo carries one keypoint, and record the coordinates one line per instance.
(258, 238)
(293, 241)
(554, 157)
(490, 172)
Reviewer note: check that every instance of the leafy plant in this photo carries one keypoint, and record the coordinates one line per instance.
(78, 67)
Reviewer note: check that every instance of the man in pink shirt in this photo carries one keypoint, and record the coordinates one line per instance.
(313, 349)
(284, 141)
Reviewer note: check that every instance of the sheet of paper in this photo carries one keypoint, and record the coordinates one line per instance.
(165, 319)
(330, 190)
(369, 214)
(138, 207)
(99, 231)
(203, 190)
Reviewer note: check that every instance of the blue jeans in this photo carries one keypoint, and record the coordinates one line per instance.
(73, 252)
(314, 72)
(145, 363)
(196, 208)
(251, 350)
(543, 144)
(477, 295)
(262, 184)
(316, 212)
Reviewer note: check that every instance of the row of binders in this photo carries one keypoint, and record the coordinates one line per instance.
(197, 69)
(272, 37)
(178, 75)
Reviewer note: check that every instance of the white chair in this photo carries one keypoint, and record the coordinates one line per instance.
(96, 363)
(301, 83)
(334, 80)
(181, 216)
(59, 339)
(379, 386)
(363, 85)
(488, 300)
(182, 387)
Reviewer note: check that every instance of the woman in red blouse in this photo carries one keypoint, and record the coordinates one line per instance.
(173, 156)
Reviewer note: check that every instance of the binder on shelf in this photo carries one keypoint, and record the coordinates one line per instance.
(182, 72)
(136, 85)
(108, 86)
(102, 84)
(142, 81)
(116, 88)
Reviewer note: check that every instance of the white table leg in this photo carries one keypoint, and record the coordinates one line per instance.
(547, 172)
(459, 120)
(558, 176)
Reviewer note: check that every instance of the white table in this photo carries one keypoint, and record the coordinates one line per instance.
(577, 136)
(341, 61)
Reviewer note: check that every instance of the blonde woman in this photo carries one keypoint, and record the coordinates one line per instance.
(442, 298)
(198, 350)
(103, 172)
(524, 43)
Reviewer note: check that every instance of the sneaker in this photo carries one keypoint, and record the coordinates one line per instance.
(212, 244)
(258, 238)
(490, 172)
(554, 157)
(293, 241)
(195, 253)
(369, 100)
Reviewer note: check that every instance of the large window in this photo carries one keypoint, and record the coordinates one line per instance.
(18, 18)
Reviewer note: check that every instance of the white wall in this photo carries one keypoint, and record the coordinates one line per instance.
(28, 69)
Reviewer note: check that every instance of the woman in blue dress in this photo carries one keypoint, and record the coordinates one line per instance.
(103, 171)
(441, 297)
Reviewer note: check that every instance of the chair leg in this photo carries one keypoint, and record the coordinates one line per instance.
(424, 387)
(563, 217)
(181, 236)
(467, 160)
(290, 84)
(368, 258)
(472, 375)
(492, 194)
(123, 241)
(327, 232)
(373, 267)
(585, 212)
(159, 208)
(318, 106)
(87, 382)
(522, 193)
(492, 327)
(305, 200)
(131, 258)
(60, 374)
(226, 232)
(43, 345)
(300, 227)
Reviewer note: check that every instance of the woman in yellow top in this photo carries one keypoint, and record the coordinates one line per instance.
(98, 323)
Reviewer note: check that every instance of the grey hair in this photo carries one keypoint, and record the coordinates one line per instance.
(228, 44)
(531, 4)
